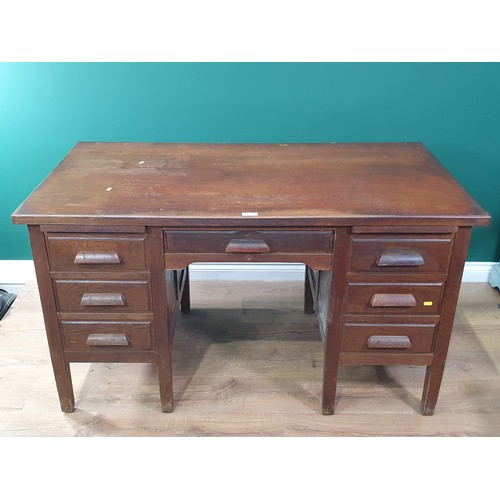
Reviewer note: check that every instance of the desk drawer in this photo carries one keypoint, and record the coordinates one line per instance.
(106, 335)
(102, 296)
(400, 253)
(96, 252)
(395, 338)
(249, 241)
(394, 298)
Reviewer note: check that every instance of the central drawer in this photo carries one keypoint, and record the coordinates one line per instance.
(102, 296)
(230, 242)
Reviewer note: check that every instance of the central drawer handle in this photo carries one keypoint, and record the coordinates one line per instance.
(393, 300)
(389, 342)
(97, 258)
(247, 246)
(102, 299)
(400, 259)
(110, 339)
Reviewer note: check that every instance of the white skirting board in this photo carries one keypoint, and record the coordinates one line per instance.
(494, 279)
(18, 272)
(15, 273)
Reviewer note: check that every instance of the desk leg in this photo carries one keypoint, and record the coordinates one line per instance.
(434, 373)
(308, 293)
(333, 331)
(164, 364)
(62, 372)
(186, 297)
(64, 384)
(160, 319)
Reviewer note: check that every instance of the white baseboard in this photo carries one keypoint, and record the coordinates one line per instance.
(16, 272)
(477, 272)
(247, 272)
(21, 271)
(494, 279)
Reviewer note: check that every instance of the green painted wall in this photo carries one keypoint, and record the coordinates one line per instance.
(45, 108)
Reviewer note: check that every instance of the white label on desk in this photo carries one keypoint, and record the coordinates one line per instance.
(249, 214)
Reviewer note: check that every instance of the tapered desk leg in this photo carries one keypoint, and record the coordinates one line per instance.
(164, 364)
(333, 329)
(308, 294)
(434, 373)
(62, 372)
(186, 296)
(160, 319)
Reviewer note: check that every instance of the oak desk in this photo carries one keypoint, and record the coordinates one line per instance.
(383, 230)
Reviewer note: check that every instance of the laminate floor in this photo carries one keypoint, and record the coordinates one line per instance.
(248, 362)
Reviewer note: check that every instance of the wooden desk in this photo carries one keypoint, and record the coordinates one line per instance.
(382, 228)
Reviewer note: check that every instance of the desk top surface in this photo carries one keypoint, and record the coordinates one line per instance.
(250, 185)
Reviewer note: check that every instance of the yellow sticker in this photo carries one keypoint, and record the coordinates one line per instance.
(428, 303)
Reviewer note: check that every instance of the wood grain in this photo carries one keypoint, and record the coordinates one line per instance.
(216, 184)
(248, 362)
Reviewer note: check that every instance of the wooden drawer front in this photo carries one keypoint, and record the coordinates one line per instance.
(106, 335)
(96, 252)
(394, 298)
(388, 338)
(249, 241)
(400, 253)
(102, 296)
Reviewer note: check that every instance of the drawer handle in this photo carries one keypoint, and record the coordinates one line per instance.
(111, 339)
(97, 258)
(400, 259)
(102, 299)
(389, 342)
(247, 246)
(393, 300)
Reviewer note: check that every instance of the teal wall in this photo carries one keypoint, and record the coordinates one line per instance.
(45, 108)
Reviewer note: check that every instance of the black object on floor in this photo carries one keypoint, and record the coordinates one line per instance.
(6, 300)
